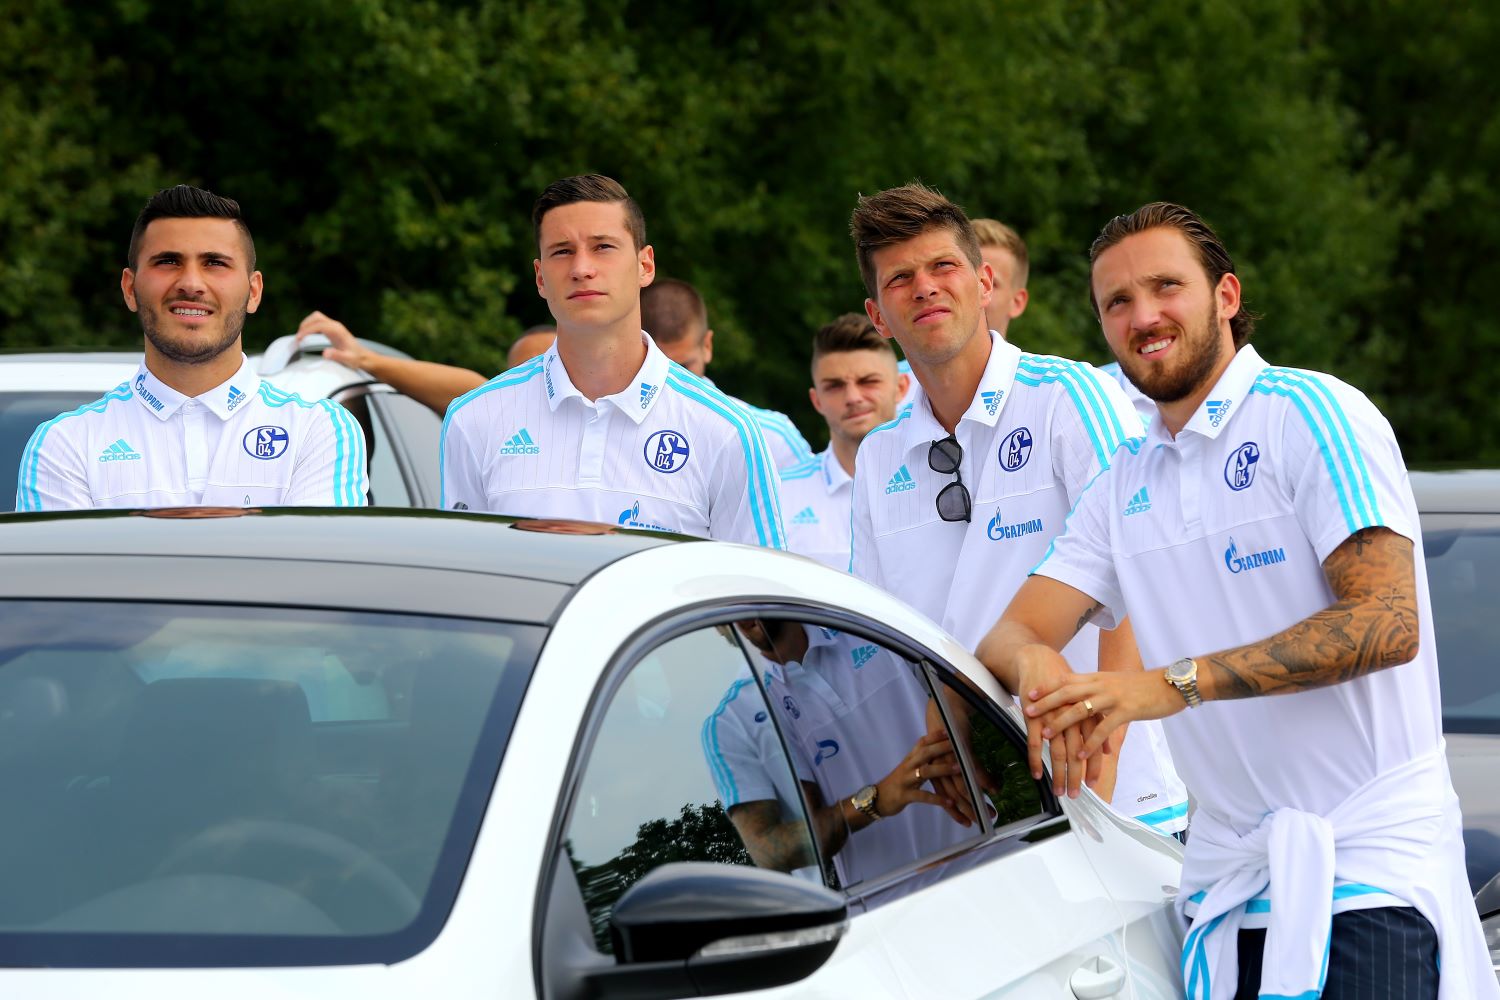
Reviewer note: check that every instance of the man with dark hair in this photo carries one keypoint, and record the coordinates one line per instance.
(1264, 541)
(676, 318)
(855, 388)
(195, 425)
(603, 426)
(1005, 252)
(958, 497)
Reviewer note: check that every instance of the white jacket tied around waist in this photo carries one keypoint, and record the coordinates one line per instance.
(1399, 832)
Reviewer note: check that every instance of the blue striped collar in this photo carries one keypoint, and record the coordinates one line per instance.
(1223, 401)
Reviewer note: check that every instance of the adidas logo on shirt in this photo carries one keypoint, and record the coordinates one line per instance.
(520, 443)
(862, 655)
(1218, 409)
(1139, 504)
(120, 452)
(805, 516)
(648, 393)
(235, 398)
(900, 482)
(992, 400)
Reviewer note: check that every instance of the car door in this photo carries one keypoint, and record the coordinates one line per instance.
(1019, 903)
(720, 724)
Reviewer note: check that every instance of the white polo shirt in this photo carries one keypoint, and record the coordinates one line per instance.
(1216, 539)
(789, 449)
(1144, 405)
(850, 711)
(670, 453)
(815, 499)
(244, 443)
(1039, 430)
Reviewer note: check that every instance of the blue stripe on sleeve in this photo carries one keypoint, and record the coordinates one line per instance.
(764, 504)
(1037, 376)
(28, 492)
(519, 375)
(723, 777)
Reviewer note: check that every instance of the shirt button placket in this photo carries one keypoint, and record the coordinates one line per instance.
(591, 447)
(1190, 480)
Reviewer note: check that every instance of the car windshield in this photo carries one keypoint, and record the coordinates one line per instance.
(20, 414)
(213, 785)
(1463, 578)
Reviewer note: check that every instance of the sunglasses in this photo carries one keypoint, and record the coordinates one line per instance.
(953, 500)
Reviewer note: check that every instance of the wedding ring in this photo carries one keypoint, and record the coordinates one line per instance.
(918, 772)
(1088, 706)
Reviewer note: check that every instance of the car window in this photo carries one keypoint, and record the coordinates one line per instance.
(1463, 581)
(20, 415)
(855, 715)
(686, 766)
(416, 430)
(247, 786)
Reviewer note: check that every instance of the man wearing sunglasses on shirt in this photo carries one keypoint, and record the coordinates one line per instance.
(960, 496)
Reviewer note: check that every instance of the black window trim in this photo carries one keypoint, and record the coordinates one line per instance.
(694, 617)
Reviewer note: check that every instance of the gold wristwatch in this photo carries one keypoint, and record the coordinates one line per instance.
(864, 801)
(1183, 675)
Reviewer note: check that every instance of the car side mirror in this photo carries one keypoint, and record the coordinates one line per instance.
(702, 929)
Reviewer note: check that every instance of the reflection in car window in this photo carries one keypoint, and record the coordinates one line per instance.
(20, 415)
(417, 431)
(241, 777)
(687, 734)
(855, 715)
(1463, 579)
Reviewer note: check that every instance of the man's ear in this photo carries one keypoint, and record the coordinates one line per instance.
(986, 283)
(1018, 302)
(708, 347)
(127, 288)
(647, 259)
(872, 310)
(541, 283)
(257, 289)
(1228, 295)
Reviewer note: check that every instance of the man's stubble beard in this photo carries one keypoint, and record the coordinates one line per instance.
(1172, 386)
(188, 354)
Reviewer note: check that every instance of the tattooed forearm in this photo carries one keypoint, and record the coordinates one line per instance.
(1372, 626)
(770, 842)
(1083, 619)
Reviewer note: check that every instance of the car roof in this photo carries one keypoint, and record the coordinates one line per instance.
(391, 559)
(1457, 491)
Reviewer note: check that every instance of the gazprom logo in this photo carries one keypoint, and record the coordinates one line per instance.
(992, 400)
(826, 749)
(999, 530)
(146, 394)
(630, 517)
(547, 376)
(901, 482)
(666, 451)
(1218, 409)
(862, 655)
(1237, 563)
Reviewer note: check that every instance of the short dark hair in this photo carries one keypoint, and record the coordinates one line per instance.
(903, 213)
(1211, 252)
(994, 233)
(850, 332)
(185, 202)
(672, 310)
(589, 187)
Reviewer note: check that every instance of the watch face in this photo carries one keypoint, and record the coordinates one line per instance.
(1182, 670)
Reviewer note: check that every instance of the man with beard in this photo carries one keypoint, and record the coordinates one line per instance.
(195, 425)
(960, 496)
(1263, 539)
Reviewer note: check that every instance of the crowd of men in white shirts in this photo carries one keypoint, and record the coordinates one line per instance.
(1143, 557)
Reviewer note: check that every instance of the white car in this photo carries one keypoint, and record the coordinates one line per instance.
(401, 435)
(374, 753)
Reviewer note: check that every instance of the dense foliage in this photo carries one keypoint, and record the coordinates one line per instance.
(388, 154)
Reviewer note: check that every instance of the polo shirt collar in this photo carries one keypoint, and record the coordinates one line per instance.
(226, 399)
(635, 401)
(834, 476)
(159, 399)
(1228, 395)
(986, 406)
